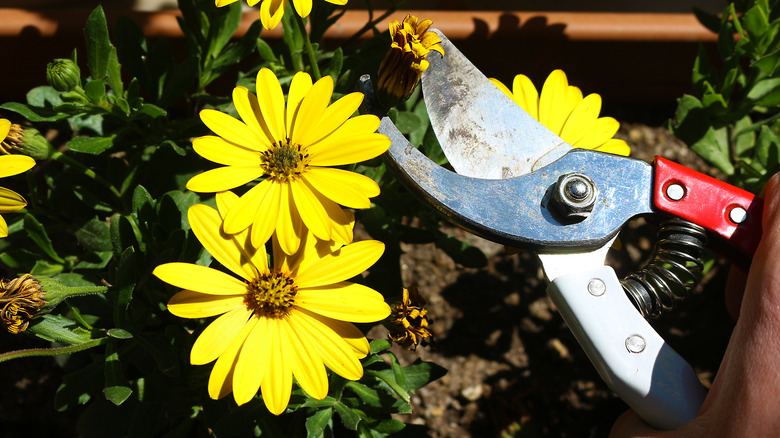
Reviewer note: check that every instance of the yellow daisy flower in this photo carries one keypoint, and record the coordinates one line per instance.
(289, 319)
(11, 201)
(404, 63)
(271, 11)
(291, 147)
(563, 110)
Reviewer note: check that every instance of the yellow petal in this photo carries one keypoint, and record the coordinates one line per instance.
(302, 7)
(502, 87)
(601, 130)
(3, 227)
(225, 201)
(221, 151)
(243, 212)
(199, 279)
(223, 178)
(207, 226)
(311, 210)
(336, 354)
(353, 142)
(271, 99)
(15, 164)
(300, 85)
(334, 116)
(277, 381)
(581, 119)
(10, 201)
(230, 129)
(191, 304)
(311, 110)
(252, 363)
(248, 109)
(344, 301)
(221, 378)
(266, 216)
(271, 12)
(525, 95)
(289, 226)
(220, 3)
(343, 224)
(5, 128)
(343, 264)
(338, 2)
(615, 146)
(307, 366)
(349, 189)
(551, 113)
(347, 331)
(218, 336)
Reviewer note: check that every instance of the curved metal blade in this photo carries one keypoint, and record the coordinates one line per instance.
(483, 132)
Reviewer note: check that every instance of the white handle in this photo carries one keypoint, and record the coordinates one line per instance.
(627, 352)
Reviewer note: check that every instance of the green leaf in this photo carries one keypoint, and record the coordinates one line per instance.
(96, 91)
(768, 148)
(266, 52)
(119, 333)
(349, 418)
(713, 147)
(114, 71)
(316, 423)
(407, 122)
(764, 88)
(98, 44)
(336, 63)
(78, 387)
(37, 234)
(91, 145)
(710, 21)
(152, 111)
(57, 328)
(368, 396)
(117, 390)
(124, 284)
(34, 113)
(379, 345)
(95, 235)
(420, 373)
(142, 199)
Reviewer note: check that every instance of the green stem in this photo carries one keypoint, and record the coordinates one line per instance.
(756, 126)
(371, 24)
(64, 159)
(315, 69)
(16, 354)
(289, 39)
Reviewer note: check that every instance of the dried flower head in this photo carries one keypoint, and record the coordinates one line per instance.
(404, 63)
(20, 300)
(12, 138)
(410, 321)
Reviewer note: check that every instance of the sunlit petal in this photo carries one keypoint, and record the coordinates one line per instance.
(243, 212)
(349, 189)
(343, 264)
(311, 210)
(221, 378)
(289, 226)
(10, 201)
(271, 12)
(551, 114)
(15, 164)
(615, 146)
(230, 129)
(302, 7)
(307, 365)
(218, 336)
(347, 331)
(600, 131)
(311, 110)
(199, 279)
(336, 354)
(277, 381)
(344, 301)
(252, 363)
(271, 99)
(221, 151)
(191, 304)
(333, 117)
(248, 109)
(223, 178)
(300, 85)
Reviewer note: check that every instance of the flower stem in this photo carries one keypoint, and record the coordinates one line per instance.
(315, 69)
(16, 354)
(64, 159)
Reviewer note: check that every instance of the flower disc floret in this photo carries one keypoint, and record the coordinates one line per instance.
(271, 294)
(284, 161)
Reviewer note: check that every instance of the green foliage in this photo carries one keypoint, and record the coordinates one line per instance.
(108, 203)
(733, 119)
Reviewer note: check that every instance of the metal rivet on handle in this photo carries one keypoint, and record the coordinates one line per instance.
(675, 192)
(596, 287)
(737, 215)
(635, 344)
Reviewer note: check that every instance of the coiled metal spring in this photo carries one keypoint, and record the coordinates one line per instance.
(672, 272)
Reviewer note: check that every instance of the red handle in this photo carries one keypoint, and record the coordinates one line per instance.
(732, 213)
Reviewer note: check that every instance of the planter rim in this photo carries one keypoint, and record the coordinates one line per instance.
(583, 26)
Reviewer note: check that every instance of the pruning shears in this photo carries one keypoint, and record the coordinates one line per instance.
(519, 184)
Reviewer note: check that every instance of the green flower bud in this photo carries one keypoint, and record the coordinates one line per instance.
(63, 74)
(34, 144)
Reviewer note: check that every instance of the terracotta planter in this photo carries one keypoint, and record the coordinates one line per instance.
(626, 57)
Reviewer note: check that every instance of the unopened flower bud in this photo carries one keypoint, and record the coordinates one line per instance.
(10, 136)
(63, 74)
(34, 144)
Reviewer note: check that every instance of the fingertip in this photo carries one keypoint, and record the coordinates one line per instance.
(631, 425)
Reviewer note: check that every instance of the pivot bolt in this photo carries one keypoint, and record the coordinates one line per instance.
(574, 197)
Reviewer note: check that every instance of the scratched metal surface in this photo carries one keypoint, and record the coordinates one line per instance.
(482, 131)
